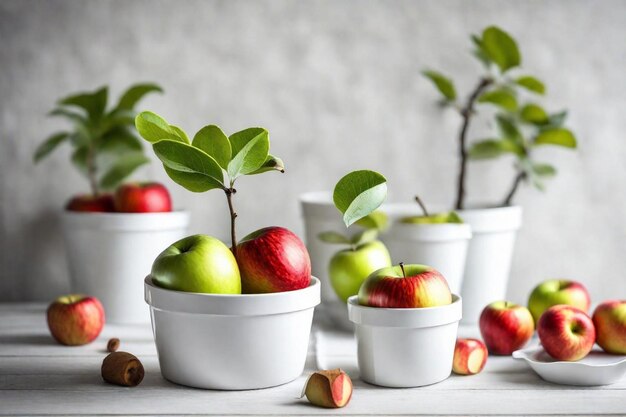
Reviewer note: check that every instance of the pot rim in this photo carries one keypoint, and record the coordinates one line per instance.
(438, 232)
(493, 219)
(232, 304)
(405, 317)
(126, 222)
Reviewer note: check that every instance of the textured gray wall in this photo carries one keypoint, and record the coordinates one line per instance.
(337, 85)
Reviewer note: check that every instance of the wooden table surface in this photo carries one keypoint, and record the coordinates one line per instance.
(40, 377)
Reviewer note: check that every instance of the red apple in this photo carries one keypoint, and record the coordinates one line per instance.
(566, 332)
(273, 259)
(610, 322)
(329, 389)
(405, 286)
(146, 197)
(90, 203)
(75, 319)
(505, 327)
(470, 356)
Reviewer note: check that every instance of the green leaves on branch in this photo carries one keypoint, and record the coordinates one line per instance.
(121, 168)
(500, 97)
(500, 48)
(250, 151)
(153, 128)
(134, 94)
(49, 145)
(493, 148)
(358, 194)
(558, 137)
(443, 84)
(531, 84)
(535, 114)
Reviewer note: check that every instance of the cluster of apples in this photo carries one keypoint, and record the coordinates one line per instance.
(272, 259)
(558, 309)
(146, 197)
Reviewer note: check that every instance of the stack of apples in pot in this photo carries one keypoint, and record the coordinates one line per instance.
(235, 317)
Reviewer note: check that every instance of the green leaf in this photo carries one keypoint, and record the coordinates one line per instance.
(366, 236)
(79, 159)
(68, 114)
(180, 133)
(544, 170)
(131, 97)
(49, 145)
(333, 237)
(508, 129)
(492, 148)
(443, 84)
(500, 97)
(214, 142)
(375, 220)
(358, 194)
(531, 84)
(93, 103)
(272, 163)
(122, 168)
(557, 119)
(250, 149)
(501, 48)
(118, 118)
(559, 137)
(188, 166)
(119, 140)
(479, 52)
(535, 114)
(154, 128)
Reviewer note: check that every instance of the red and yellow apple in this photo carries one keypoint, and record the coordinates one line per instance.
(566, 332)
(557, 291)
(609, 319)
(102, 203)
(147, 197)
(470, 356)
(405, 286)
(273, 259)
(505, 327)
(75, 319)
(329, 389)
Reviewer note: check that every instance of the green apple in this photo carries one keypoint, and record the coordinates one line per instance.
(557, 291)
(445, 217)
(197, 263)
(350, 267)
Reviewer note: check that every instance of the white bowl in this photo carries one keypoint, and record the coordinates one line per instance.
(405, 347)
(597, 368)
(232, 342)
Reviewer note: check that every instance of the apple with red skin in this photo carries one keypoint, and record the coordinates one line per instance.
(609, 319)
(75, 320)
(505, 327)
(566, 333)
(405, 286)
(470, 356)
(144, 197)
(102, 203)
(273, 259)
(329, 389)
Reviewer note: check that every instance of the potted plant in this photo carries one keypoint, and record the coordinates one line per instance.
(227, 318)
(111, 239)
(523, 127)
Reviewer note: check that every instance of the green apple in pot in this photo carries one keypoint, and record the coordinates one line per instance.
(428, 218)
(197, 263)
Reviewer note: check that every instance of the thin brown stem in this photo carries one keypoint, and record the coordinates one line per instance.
(91, 171)
(466, 113)
(516, 183)
(229, 197)
(402, 268)
(422, 205)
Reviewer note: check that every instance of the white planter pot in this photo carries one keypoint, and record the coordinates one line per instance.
(405, 347)
(489, 257)
(232, 342)
(442, 246)
(109, 254)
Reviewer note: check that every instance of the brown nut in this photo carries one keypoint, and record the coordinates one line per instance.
(330, 389)
(113, 345)
(122, 368)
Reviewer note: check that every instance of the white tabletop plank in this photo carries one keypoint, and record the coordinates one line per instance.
(40, 377)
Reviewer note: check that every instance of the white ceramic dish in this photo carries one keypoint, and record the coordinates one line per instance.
(405, 347)
(598, 368)
(232, 342)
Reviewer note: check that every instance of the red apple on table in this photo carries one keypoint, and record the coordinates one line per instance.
(558, 291)
(506, 327)
(144, 197)
(405, 286)
(566, 333)
(88, 203)
(273, 259)
(470, 356)
(75, 319)
(609, 319)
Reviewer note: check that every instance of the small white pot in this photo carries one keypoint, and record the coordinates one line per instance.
(442, 246)
(109, 253)
(405, 347)
(232, 342)
(489, 257)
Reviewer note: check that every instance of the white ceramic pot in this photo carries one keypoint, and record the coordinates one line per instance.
(109, 253)
(489, 257)
(232, 342)
(442, 246)
(405, 347)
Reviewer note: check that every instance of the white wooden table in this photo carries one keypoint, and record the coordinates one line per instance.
(40, 377)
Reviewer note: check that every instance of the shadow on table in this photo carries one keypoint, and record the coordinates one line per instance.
(28, 339)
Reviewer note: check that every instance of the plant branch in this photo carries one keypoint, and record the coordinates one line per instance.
(518, 180)
(91, 170)
(229, 197)
(422, 205)
(466, 113)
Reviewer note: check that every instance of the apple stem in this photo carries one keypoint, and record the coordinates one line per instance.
(229, 197)
(402, 268)
(422, 205)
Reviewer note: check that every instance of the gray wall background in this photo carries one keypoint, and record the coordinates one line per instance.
(337, 85)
